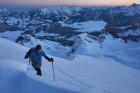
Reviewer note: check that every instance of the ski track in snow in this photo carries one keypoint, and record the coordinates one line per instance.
(74, 78)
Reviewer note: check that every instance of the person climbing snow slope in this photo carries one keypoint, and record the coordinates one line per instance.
(35, 55)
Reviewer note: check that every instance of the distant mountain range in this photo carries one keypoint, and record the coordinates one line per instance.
(59, 24)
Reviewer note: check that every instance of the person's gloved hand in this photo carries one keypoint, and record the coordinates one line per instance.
(51, 59)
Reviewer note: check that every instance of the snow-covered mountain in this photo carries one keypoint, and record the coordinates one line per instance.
(59, 10)
(121, 21)
(99, 27)
(96, 49)
(85, 74)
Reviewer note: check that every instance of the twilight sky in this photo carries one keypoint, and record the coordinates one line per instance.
(67, 2)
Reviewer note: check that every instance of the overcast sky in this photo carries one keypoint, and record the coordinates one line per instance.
(68, 2)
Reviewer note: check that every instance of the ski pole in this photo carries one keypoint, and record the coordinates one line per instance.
(53, 71)
(29, 65)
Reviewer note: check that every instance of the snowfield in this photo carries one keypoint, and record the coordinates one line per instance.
(87, 26)
(11, 35)
(58, 10)
(42, 33)
(85, 74)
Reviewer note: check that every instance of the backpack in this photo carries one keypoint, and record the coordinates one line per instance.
(28, 54)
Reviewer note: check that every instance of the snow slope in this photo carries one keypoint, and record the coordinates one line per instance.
(11, 35)
(125, 53)
(14, 76)
(85, 74)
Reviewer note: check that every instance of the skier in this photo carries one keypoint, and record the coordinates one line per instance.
(35, 55)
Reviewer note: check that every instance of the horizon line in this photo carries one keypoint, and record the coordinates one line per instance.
(36, 6)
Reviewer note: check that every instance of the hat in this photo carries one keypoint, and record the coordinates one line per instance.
(38, 47)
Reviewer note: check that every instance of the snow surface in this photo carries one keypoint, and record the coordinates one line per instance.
(18, 22)
(87, 26)
(12, 20)
(42, 33)
(127, 10)
(130, 32)
(58, 10)
(85, 74)
(52, 48)
(125, 53)
(11, 35)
